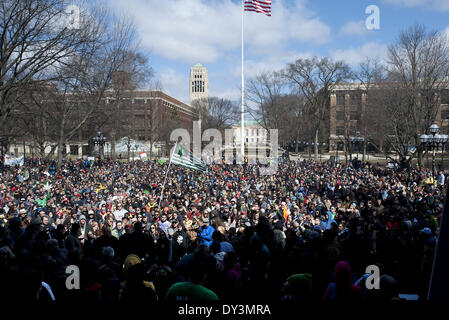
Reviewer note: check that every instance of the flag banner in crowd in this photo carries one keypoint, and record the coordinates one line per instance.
(143, 156)
(187, 159)
(13, 161)
(48, 186)
(161, 161)
(261, 6)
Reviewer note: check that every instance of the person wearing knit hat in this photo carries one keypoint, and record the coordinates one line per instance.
(133, 271)
(298, 287)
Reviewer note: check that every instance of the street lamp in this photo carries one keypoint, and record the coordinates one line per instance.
(128, 144)
(443, 140)
(136, 147)
(432, 141)
(335, 147)
(99, 140)
(356, 140)
(1, 151)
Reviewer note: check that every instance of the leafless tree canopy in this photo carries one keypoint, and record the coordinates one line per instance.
(417, 70)
(58, 74)
(401, 93)
(217, 113)
(314, 79)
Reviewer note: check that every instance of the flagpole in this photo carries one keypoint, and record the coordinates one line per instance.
(242, 143)
(166, 174)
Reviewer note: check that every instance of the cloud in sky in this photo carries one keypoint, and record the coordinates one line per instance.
(196, 30)
(433, 4)
(354, 28)
(271, 63)
(354, 56)
(174, 84)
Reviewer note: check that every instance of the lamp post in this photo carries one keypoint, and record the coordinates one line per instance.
(443, 140)
(1, 151)
(335, 147)
(432, 141)
(99, 140)
(128, 144)
(136, 147)
(356, 141)
(338, 144)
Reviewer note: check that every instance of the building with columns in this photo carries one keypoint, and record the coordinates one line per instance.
(254, 134)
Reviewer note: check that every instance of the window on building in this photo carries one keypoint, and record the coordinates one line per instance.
(445, 129)
(74, 150)
(355, 115)
(445, 97)
(340, 131)
(85, 135)
(356, 99)
(444, 114)
(340, 99)
(85, 150)
(139, 120)
(140, 134)
(340, 115)
(340, 146)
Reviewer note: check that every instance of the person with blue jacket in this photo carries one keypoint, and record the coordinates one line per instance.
(330, 218)
(205, 232)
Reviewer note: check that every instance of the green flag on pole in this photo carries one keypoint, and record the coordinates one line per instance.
(188, 160)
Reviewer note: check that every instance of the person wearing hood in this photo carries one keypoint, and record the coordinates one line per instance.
(342, 288)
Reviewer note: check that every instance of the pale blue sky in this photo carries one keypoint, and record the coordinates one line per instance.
(179, 33)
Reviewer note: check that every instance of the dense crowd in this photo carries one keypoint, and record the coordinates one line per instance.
(307, 232)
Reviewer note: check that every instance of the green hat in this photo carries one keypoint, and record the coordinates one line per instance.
(301, 282)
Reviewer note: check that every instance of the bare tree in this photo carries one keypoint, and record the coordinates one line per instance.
(315, 79)
(417, 65)
(34, 41)
(217, 113)
(133, 72)
(80, 82)
(265, 92)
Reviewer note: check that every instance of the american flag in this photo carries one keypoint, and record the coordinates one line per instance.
(262, 6)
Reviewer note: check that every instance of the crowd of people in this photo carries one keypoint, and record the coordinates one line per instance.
(307, 232)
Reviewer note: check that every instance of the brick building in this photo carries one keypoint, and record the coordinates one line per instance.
(348, 114)
(143, 116)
